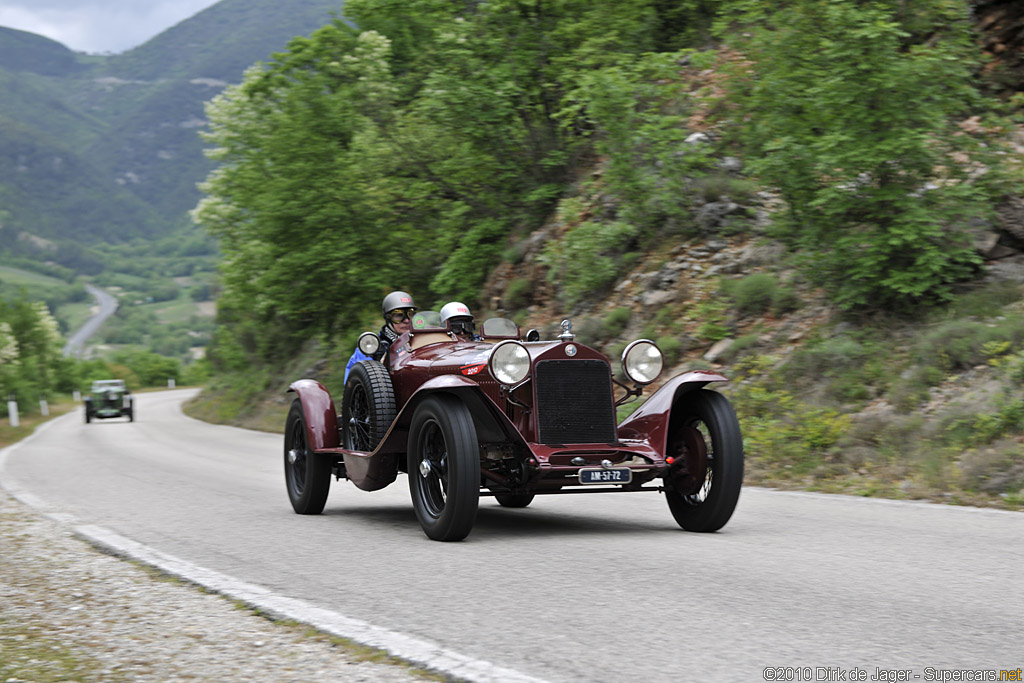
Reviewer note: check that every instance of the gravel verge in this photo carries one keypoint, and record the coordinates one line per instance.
(71, 613)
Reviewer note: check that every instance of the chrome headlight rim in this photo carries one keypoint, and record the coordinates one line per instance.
(369, 343)
(501, 375)
(633, 348)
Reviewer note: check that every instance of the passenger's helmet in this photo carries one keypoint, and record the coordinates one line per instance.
(454, 309)
(397, 300)
(456, 317)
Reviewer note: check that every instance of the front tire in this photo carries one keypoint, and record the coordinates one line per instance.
(444, 468)
(306, 475)
(703, 486)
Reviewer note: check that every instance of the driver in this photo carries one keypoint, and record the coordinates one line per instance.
(398, 308)
(457, 318)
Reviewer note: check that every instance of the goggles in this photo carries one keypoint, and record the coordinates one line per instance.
(399, 315)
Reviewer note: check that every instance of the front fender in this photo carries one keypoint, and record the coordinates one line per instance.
(318, 408)
(491, 422)
(651, 420)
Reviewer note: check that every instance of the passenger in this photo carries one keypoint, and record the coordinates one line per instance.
(459, 320)
(398, 308)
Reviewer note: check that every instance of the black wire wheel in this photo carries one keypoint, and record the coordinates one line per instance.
(444, 468)
(514, 500)
(703, 484)
(368, 407)
(307, 475)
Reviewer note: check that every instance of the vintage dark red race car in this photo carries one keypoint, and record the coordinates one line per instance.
(513, 418)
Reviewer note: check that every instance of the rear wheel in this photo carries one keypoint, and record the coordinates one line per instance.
(510, 500)
(703, 485)
(307, 475)
(444, 468)
(368, 407)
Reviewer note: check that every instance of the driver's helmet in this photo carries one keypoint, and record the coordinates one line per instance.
(457, 318)
(396, 304)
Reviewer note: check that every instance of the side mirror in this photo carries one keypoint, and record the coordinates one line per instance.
(532, 335)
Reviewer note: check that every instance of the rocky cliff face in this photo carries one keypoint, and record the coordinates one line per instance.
(1000, 25)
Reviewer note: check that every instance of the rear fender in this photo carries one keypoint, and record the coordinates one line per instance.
(492, 425)
(651, 420)
(318, 408)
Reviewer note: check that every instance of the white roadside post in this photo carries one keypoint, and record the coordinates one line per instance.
(12, 411)
(170, 383)
(44, 407)
(76, 395)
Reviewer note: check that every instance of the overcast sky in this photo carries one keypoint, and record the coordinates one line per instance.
(98, 25)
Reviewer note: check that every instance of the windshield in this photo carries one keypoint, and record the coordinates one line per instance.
(427, 320)
(499, 327)
(108, 385)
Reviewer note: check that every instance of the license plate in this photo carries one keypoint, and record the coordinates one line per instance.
(615, 475)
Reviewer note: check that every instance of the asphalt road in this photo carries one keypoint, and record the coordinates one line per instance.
(107, 306)
(574, 588)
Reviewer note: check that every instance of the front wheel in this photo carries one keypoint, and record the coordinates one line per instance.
(444, 468)
(703, 485)
(307, 476)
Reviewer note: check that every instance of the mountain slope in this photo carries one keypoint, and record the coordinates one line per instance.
(106, 149)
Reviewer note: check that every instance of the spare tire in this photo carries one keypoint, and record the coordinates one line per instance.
(368, 406)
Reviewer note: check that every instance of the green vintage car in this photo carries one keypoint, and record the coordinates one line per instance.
(109, 398)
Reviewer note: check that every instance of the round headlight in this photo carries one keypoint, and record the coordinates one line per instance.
(642, 361)
(509, 363)
(369, 343)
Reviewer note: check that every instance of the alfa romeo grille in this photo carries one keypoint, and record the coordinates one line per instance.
(574, 402)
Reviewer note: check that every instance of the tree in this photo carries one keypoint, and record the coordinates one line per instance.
(849, 110)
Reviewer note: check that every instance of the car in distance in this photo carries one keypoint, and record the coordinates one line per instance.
(513, 418)
(109, 398)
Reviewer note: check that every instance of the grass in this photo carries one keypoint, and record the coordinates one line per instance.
(74, 315)
(29, 422)
(28, 653)
(178, 311)
(19, 277)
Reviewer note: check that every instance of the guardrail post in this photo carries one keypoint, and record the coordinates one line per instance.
(12, 411)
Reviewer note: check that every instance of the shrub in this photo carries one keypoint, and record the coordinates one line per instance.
(785, 300)
(754, 294)
(588, 258)
(615, 322)
(711, 314)
(671, 347)
(518, 293)
(961, 344)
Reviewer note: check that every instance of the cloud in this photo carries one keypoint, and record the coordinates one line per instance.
(98, 25)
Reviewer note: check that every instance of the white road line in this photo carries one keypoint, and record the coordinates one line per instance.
(420, 652)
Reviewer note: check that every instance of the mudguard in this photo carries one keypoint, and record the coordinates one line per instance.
(373, 471)
(321, 417)
(491, 422)
(651, 420)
